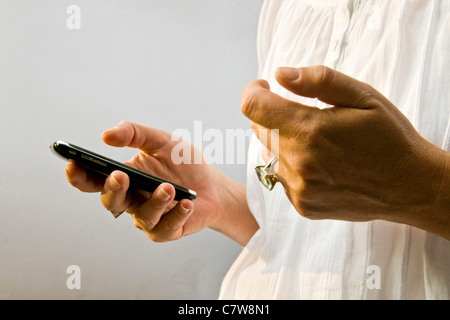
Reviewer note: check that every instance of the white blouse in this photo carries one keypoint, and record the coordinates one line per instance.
(402, 49)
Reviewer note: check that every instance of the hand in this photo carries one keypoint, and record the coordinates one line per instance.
(358, 160)
(161, 218)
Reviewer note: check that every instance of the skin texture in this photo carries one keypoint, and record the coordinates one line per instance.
(358, 160)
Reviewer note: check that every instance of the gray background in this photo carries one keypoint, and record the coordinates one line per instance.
(161, 63)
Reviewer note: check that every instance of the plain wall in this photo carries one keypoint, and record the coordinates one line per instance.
(163, 63)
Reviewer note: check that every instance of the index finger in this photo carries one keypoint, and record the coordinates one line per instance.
(272, 111)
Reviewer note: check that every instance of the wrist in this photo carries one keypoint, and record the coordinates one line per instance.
(441, 205)
(434, 215)
(233, 218)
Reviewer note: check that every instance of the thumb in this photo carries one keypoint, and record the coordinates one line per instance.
(129, 134)
(328, 85)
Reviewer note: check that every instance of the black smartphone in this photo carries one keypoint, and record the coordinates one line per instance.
(105, 166)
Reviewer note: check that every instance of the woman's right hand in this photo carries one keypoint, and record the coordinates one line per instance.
(157, 214)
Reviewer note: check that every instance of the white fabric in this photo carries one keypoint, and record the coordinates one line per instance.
(401, 48)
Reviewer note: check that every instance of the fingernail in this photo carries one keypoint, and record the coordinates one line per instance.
(289, 74)
(185, 210)
(163, 195)
(116, 184)
(106, 132)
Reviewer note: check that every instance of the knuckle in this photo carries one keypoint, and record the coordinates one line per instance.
(309, 171)
(251, 97)
(367, 97)
(298, 189)
(156, 237)
(310, 133)
(71, 180)
(315, 131)
(324, 75)
(172, 225)
(106, 201)
(308, 214)
(78, 183)
(75, 184)
(248, 103)
(145, 223)
(303, 199)
(137, 224)
(306, 210)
